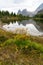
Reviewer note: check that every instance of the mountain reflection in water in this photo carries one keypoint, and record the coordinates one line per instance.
(29, 27)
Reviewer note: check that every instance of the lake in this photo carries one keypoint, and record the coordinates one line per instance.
(38, 24)
(29, 26)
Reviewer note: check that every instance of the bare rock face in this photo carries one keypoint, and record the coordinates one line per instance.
(24, 12)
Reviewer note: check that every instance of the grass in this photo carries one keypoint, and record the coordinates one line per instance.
(22, 42)
(20, 49)
(4, 35)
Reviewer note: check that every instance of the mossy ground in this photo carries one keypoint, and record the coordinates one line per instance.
(20, 49)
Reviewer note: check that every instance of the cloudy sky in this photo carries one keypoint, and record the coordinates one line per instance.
(15, 5)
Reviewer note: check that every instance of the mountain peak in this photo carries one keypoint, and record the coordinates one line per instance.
(41, 5)
(39, 8)
(19, 12)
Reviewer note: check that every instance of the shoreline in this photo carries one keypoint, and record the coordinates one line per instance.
(8, 19)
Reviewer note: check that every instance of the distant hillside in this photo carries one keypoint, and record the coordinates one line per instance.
(40, 12)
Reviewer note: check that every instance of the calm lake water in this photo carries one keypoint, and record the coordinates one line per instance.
(38, 24)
